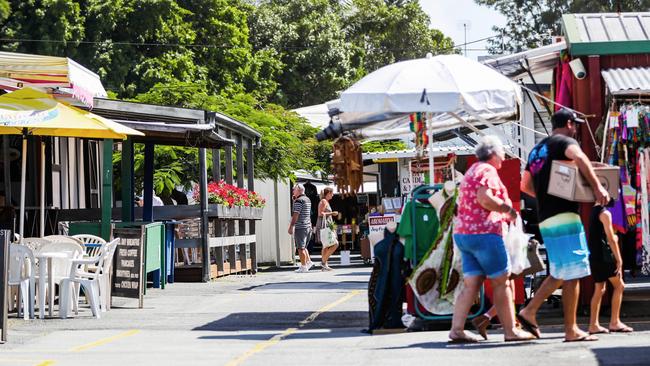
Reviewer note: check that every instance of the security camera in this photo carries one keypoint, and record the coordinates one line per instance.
(578, 69)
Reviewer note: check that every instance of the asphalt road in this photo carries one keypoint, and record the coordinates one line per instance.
(281, 318)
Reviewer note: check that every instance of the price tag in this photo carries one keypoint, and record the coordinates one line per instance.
(613, 119)
(425, 218)
(632, 118)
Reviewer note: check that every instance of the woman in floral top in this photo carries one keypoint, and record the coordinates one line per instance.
(484, 209)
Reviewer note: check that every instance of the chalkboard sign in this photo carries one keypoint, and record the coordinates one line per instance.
(128, 266)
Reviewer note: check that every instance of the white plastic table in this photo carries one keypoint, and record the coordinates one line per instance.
(46, 272)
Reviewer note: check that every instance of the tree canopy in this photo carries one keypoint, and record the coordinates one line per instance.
(250, 59)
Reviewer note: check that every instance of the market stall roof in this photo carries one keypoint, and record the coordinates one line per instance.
(175, 125)
(607, 33)
(18, 70)
(175, 134)
(537, 60)
(627, 81)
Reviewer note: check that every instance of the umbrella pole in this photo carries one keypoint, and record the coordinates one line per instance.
(23, 182)
(431, 161)
(42, 221)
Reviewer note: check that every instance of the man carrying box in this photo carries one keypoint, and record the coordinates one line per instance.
(560, 224)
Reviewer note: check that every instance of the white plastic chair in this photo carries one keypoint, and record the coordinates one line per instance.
(105, 276)
(61, 266)
(91, 242)
(21, 274)
(34, 244)
(90, 281)
(62, 239)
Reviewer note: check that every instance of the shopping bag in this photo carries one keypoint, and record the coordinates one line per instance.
(345, 258)
(516, 242)
(534, 258)
(327, 237)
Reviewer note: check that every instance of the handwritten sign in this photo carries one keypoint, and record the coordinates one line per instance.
(128, 268)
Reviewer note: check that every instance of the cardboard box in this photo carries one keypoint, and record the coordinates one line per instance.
(567, 182)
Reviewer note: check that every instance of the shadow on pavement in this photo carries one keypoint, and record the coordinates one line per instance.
(446, 345)
(279, 321)
(366, 274)
(303, 335)
(310, 285)
(628, 356)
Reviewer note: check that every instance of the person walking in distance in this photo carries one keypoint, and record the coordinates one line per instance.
(560, 224)
(325, 214)
(606, 265)
(300, 226)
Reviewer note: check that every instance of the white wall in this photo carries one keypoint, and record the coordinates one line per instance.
(272, 230)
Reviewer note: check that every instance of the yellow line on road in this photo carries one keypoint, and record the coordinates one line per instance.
(278, 337)
(104, 341)
(46, 363)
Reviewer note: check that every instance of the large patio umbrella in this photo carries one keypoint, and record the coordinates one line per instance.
(446, 86)
(30, 112)
(68, 78)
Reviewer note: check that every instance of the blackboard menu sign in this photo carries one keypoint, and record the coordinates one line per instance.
(128, 268)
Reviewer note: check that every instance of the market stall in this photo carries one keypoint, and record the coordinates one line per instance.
(453, 96)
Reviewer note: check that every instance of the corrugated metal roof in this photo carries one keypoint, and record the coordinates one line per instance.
(537, 60)
(632, 81)
(607, 33)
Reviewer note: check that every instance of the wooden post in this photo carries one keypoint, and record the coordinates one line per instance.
(126, 176)
(147, 210)
(240, 184)
(107, 188)
(230, 229)
(250, 174)
(216, 165)
(205, 244)
(7, 170)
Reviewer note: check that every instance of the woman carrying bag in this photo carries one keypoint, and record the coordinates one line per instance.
(325, 233)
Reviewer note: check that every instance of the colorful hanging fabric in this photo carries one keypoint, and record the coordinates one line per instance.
(418, 126)
(564, 91)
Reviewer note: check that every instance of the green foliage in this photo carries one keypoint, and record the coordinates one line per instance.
(390, 31)
(308, 35)
(381, 146)
(288, 142)
(532, 23)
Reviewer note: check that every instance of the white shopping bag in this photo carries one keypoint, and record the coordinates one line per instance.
(516, 242)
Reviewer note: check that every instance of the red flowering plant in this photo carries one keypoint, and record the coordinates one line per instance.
(228, 195)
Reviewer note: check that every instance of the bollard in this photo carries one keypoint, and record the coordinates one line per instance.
(4, 278)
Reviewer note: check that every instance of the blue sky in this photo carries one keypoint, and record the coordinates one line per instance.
(449, 16)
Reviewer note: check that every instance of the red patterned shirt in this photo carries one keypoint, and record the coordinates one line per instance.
(472, 218)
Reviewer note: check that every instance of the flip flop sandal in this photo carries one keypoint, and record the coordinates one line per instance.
(622, 330)
(604, 331)
(528, 326)
(463, 340)
(587, 338)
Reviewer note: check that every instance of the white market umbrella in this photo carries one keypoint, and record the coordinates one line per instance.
(444, 84)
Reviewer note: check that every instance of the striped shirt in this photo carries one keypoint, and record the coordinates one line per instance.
(302, 206)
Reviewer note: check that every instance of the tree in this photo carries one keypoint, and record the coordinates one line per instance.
(390, 31)
(52, 27)
(225, 51)
(318, 60)
(532, 23)
(138, 43)
(288, 143)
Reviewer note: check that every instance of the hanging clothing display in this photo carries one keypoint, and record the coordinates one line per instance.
(427, 226)
(438, 279)
(626, 145)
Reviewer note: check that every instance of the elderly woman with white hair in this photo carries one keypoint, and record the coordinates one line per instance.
(484, 209)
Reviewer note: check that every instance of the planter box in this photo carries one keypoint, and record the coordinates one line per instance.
(237, 212)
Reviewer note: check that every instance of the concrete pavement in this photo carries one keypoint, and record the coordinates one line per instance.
(281, 318)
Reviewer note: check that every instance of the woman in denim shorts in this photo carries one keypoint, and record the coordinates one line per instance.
(484, 208)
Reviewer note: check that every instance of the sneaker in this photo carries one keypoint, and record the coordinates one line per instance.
(300, 269)
(325, 267)
(309, 265)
